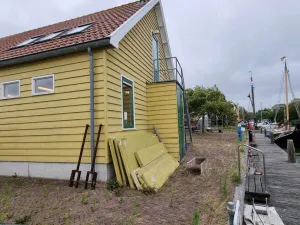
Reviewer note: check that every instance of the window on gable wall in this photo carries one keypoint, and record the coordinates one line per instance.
(127, 103)
(155, 54)
(10, 89)
(43, 85)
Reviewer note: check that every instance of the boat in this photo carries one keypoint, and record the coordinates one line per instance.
(281, 139)
(286, 132)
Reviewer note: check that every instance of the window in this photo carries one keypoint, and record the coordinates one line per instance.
(127, 103)
(78, 29)
(43, 85)
(50, 36)
(26, 42)
(155, 58)
(10, 89)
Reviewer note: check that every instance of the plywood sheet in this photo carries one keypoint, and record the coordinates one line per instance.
(147, 155)
(130, 144)
(157, 172)
(115, 161)
(121, 165)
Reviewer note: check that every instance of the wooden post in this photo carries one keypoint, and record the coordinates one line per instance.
(265, 132)
(272, 137)
(291, 151)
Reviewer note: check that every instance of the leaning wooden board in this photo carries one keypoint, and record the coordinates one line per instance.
(115, 161)
(130, 144)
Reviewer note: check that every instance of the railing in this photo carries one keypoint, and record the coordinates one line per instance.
(264, 162)
(171, 67)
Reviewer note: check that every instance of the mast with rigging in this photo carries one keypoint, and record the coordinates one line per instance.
(286, 94)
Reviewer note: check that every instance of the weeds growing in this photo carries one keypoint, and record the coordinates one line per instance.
(196, 218)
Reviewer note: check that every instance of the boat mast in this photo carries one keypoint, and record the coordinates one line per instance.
(253, 102)
(286, 96)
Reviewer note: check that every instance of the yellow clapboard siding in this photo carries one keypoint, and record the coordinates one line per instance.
(47, 118)
(41, 146)
(162, 113)
(66, 89)
(168, 116)
(161, 108)
(44, 105)
(38, 132)
(49, 128)
(46, 139)
(53, 152)
(69, 60)
(162, 103)
(167, 98)
(155, 89)
(66, 82)
(49, 111)
(58, 159)
(45, 98)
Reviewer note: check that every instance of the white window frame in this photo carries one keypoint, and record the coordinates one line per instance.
(155, 47)
(33, 79)
(133, 102)
(9, 82)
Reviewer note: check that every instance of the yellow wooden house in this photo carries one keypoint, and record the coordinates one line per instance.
(112, 67)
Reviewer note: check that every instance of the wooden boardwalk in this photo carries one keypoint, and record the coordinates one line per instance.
(283, 181)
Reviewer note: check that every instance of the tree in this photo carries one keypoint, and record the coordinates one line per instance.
(210, 101)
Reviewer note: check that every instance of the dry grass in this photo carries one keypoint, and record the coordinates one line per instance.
(184, 199)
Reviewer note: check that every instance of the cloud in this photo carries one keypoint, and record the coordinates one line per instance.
(217, 42)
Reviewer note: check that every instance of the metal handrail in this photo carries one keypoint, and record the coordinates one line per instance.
(264, 162)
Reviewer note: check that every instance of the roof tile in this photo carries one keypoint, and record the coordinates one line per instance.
(104, 23)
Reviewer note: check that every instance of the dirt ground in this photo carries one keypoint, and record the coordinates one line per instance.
(185, 199)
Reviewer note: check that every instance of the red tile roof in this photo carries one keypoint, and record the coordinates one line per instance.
(104, 23)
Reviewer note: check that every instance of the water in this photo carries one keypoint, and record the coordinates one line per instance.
(298, 155)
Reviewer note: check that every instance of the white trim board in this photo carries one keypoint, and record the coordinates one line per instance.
(119, 33)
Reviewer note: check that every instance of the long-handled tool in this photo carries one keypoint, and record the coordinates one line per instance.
(92, 172)
(77, 171)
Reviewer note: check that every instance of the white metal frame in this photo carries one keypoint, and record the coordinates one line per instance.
(9, 82)
(33, 79)
(134, 125)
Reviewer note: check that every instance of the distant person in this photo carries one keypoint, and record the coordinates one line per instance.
(250, 129)
(240, 133)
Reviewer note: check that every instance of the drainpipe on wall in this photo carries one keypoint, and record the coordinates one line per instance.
(92, 117)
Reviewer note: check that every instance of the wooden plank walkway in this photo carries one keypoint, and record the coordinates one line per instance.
(283, 181)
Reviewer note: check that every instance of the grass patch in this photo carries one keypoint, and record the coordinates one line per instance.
(196, 218)
(112, 184)
(46, 191)
(67, 218)
(119, 191)
(23, 220)
(106, 195)
(235, 176)
(2, 217)
(224, 187)
(84, 199)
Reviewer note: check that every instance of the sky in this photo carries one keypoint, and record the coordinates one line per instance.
(217, 42)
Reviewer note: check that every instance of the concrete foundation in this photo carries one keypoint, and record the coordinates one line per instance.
(61, 171)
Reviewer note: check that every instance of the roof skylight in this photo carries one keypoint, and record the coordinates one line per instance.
(26, 42)
(50, 36)
(77, 29)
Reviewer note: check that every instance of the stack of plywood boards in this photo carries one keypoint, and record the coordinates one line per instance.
(141, 161)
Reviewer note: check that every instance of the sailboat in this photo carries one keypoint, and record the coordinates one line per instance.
(288, 132)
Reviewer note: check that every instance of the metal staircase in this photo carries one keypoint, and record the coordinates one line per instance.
(173, 69)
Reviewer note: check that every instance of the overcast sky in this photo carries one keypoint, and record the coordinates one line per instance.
(217, 42)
